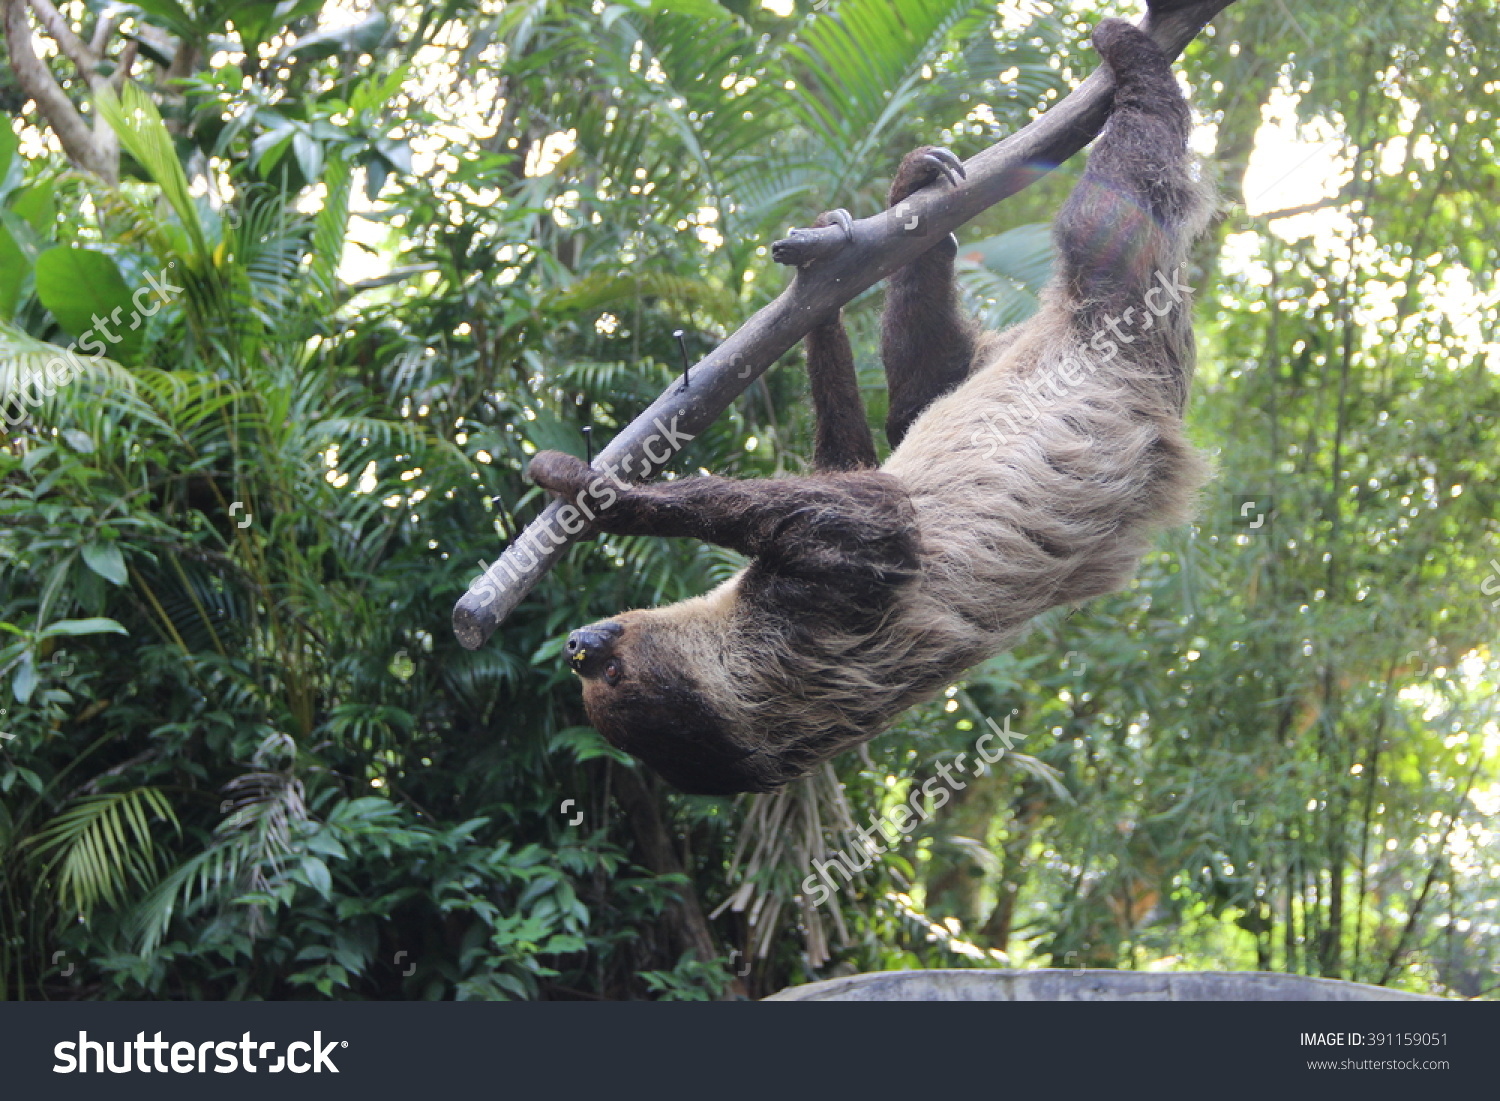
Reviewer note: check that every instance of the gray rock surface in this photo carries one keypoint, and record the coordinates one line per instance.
(1075, 985)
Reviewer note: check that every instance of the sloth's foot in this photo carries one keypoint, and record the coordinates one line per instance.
(560, 473)
(1127, 49)
(803, 246)
(922, 166)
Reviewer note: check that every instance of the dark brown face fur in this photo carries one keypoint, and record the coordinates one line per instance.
(640, 695)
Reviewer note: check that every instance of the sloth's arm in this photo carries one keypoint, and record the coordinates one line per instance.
(843, 440)
(826, 523)
(925, 339)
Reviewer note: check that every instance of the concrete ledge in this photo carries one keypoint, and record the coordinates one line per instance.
(1075, 985)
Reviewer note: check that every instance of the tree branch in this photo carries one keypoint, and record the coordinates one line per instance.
(83, 146)
(1341, 199)
(67, 40)
(104, 26)
(128, 54)
(830, 273)
(1442, 858)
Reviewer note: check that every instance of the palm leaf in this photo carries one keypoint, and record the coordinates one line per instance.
(331, 225)
(859, 70)
(1002, 276)
(101, 844)
(133, 116)
(250, 850)
(23, 356)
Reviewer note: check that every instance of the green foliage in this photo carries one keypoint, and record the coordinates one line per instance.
(100, 847)
(82, 288)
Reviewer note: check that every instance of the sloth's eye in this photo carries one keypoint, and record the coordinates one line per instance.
(613, 671)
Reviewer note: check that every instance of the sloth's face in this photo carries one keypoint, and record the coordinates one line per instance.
(646, 686)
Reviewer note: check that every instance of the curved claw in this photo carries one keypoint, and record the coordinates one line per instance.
(841, 218)
(947, 163)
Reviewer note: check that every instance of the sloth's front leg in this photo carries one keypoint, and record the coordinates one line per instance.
(835, 522)
(843, 440)
(741, 515)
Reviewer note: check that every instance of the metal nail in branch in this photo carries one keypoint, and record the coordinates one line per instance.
(831, 270)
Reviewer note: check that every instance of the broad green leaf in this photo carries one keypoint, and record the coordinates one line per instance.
(317, 875)
(37, 206)
(357, 38)
(88, 296)
(257, 20)
(14, 269)
(95, 625)
(24, 682)
(171, 15)
(309, 156)
(9, 143)
(106, 560)
(79, 440)
(267, 149)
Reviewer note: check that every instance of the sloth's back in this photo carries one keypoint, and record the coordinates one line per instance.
(1036, 485)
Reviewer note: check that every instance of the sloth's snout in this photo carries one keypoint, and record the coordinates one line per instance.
(589, 647)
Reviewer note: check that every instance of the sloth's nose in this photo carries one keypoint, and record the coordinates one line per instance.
(589, 646)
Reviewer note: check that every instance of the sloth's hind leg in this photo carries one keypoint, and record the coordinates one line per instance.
(1123, 234)
(1136, 207)
(925, 339)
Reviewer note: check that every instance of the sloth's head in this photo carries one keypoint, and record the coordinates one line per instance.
(659, 684)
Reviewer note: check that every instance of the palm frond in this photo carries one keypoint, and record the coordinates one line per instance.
(1003, 276)
(330, 226)
(100, 845)
(248, 854)
(780, 836)
(133, 116)
(859, 68)
(678, 292)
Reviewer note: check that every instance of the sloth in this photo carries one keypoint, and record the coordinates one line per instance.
(1030, 469)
